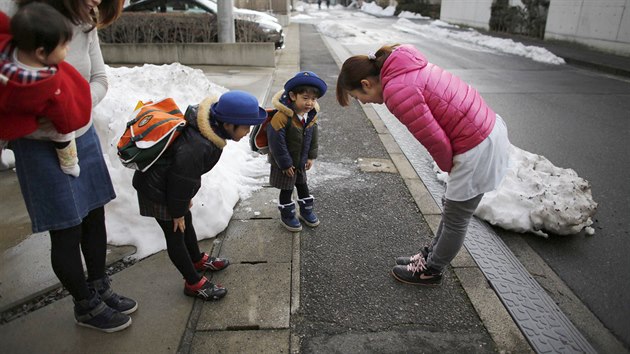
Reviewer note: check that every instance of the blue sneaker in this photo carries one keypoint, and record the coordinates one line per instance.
(117, 302)
(94, 313)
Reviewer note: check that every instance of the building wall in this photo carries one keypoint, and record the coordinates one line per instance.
(475, 13)
(604, 24)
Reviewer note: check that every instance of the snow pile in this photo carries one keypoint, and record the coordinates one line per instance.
(413, 15)
(373, 9)
(538, 197)
(440, 23)
(440, 29)
(334, 29)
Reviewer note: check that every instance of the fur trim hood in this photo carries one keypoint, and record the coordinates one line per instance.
(282, 103)
(203, 122)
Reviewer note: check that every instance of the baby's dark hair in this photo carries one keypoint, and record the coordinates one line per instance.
(37, 25)
(298, 90)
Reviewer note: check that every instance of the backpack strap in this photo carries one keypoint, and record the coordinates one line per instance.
(154, 126)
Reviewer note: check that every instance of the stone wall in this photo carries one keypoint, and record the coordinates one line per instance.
(236, 54)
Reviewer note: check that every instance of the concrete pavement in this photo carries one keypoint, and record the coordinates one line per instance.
(263, 280)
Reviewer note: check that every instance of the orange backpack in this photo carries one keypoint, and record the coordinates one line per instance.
(149, 133)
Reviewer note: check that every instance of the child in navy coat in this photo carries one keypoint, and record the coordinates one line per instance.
(292, 135)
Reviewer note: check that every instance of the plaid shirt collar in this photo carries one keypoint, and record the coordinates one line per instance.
(11, 68)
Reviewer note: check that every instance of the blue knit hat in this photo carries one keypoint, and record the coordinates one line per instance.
(308, 78)
(238, 107)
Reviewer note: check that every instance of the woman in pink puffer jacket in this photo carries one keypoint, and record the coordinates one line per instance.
(452, 121)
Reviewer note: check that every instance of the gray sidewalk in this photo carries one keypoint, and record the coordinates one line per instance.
(263, 280)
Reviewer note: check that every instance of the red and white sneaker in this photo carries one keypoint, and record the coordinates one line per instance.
(211, 263)
(205, 290)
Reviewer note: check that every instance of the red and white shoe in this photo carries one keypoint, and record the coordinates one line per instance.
(205, 290)
(211, 263)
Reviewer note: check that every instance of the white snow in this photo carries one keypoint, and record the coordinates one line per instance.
(536, 196)
(373, 9)
(407, 14)
(453, 34)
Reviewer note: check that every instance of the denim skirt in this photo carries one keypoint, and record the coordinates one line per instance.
(55, 200)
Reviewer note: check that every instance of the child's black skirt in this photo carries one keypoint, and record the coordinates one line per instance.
(153, 209)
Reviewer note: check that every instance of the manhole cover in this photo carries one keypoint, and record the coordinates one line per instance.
(376, 165)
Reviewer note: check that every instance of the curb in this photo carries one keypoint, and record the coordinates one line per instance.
(596, 66)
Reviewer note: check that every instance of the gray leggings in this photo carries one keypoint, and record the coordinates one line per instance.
(451, 232)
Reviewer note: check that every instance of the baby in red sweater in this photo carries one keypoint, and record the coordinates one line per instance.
(41, 97)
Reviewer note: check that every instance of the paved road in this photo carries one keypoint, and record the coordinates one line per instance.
(577, 119)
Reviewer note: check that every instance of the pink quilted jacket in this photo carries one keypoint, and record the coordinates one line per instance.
(444, 113)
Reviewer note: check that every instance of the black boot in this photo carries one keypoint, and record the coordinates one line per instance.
(117, 302)
(94, 313)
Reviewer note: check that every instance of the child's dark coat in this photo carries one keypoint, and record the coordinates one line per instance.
(294, 144)
(195, 152)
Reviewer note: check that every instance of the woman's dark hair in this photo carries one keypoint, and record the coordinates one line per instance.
(298, 90)
(359, 67)
(78, 14)
(38, 25)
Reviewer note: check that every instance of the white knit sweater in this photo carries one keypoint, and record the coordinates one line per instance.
(85, 55)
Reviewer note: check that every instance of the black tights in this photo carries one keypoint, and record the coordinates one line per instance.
(183, 249)
(285, 194)
(89, 238)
